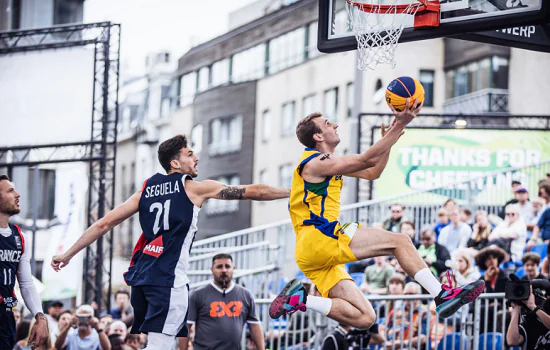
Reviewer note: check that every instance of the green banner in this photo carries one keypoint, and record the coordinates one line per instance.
(427, 158)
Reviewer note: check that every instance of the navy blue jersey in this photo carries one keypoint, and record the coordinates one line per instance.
(11, 249)
(169, 223)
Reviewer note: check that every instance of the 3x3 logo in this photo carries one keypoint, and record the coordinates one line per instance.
(221, 309)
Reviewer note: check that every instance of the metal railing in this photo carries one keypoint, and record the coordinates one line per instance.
(487, 192)
(482, 101)
(402, 319)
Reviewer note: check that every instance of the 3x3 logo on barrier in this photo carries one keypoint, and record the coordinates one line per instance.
(221, 309)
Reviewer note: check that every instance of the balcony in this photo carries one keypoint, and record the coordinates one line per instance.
(482, 101)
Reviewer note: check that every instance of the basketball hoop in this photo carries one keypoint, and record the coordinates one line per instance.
(378, 27)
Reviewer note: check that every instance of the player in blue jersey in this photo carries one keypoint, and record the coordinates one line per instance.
(168, 207)
(15, 263)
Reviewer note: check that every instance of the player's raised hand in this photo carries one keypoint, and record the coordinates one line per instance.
(407, 114)
(384, 131)
(59, 262)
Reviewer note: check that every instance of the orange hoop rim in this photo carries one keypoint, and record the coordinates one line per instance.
(403, 8)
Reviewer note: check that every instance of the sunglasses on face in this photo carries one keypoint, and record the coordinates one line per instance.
(425, 238)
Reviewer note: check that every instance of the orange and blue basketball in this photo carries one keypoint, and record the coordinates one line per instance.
(402, 88)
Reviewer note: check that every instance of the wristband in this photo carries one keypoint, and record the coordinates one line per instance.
(534, 311)
(100, 330)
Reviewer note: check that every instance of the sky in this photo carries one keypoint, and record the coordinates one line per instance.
(153, 25)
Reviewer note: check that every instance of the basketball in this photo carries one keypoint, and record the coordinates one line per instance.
(402, 88)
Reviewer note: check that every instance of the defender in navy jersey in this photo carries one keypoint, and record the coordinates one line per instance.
(15, 263)
(168, 207)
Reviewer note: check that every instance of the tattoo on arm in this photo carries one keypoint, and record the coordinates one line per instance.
(325, 156)
(231, 192)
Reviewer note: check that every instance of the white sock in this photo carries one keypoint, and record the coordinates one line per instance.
(427, 280)
(157, 341)
(319, 304)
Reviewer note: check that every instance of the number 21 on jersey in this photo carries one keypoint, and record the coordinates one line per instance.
(164, 212)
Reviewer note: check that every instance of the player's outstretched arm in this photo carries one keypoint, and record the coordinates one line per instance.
(213, 189)
(375, 172)
(330, 165)
(98, 229)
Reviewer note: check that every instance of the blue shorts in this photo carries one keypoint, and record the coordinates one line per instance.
(160, 310)
(7, 328)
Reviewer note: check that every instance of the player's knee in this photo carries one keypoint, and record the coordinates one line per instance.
(367, 319)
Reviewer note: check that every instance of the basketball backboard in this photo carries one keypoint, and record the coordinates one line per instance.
(466, 19)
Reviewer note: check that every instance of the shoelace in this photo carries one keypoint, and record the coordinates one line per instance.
(449, 284)
(301, 307)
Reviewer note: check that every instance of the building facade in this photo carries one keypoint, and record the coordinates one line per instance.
(27, 14)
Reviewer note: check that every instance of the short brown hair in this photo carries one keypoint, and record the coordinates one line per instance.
(306, 128)
(410, 223)
(170, 149)
(533, 257)
(4, 177)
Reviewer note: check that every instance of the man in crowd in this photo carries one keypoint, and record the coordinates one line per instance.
(456, 234)
(541, 230)
(54, 311)
(122, 311)
(433, 253)
(118, 327)
(89, 335)
(377, 276)
(442, 221)
(219, 311)
(515, 185)
(538, 206)
(465, 216)
(531, 263)
(395, 219)
(525, 207)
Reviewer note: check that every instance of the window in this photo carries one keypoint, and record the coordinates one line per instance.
(350, 98)
(217, 206)
(427, 80)
(67, 11)
(266, 125)
(263, 177)
(248, 64)
(287, 50)
(225, 135)
(309, 105)
(46, 192)
(500, 73)
(330, 104)
(285, 176)
(287, 120)
(312, 51)
(188, 88)
(490, 72)
(204, 79)
(196, 138)
(220, 72)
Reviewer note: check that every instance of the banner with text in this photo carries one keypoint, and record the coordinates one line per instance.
(428, 158)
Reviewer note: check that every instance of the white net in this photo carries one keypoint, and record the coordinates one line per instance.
(377, 30)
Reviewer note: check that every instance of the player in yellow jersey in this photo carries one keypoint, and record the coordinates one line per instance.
(323, 244)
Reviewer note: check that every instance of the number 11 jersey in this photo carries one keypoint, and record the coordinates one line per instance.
(168, 219)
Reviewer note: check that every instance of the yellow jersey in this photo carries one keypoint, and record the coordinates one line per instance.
(315, 204)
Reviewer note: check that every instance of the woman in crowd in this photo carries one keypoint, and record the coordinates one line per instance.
(480, 231)
(464, 272)
(23, 344)
(511, 233)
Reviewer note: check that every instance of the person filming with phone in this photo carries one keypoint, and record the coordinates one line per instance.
(88, 334)
(530, 321)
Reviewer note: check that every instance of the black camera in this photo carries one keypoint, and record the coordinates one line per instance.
(358, 339)
(517, 290)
